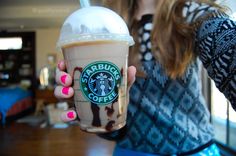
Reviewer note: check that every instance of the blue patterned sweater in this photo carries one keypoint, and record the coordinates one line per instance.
(167, 116)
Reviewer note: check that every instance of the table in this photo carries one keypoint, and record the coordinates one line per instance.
(24, 140)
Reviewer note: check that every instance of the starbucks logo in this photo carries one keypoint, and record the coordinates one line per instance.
(99, 82)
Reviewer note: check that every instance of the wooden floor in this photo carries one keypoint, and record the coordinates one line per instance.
(24, 140)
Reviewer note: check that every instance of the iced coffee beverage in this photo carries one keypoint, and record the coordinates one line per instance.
(95, 43)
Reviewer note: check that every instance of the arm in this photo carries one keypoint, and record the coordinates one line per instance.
(216, 45)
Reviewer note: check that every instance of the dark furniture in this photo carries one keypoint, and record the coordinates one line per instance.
(24, 140)
(17, 70)
(18, 65)
(46, 95)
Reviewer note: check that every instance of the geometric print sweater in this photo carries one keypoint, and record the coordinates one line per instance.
(167, 116)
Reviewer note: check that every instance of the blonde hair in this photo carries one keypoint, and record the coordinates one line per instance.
(172, 37)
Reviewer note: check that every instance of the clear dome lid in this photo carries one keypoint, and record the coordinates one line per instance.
(93, 23)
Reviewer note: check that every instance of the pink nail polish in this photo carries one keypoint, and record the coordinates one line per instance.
(65, 90)
(70, 115)
(63, 79)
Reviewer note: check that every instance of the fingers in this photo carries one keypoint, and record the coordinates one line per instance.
(64, 81)
(62, 92)
(68, 115)
(131, 76)
(61, 65)
(63, 78)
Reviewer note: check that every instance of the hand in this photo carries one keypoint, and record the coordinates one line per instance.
(65, 91)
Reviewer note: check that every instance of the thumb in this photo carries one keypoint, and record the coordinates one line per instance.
(131, 76)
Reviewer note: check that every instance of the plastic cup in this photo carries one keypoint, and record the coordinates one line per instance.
(95, 44)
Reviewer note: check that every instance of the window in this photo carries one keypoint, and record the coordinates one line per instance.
(12, 43)
(223, 118)
(234, 15)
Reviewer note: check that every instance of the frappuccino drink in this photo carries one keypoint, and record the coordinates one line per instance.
(95, 43)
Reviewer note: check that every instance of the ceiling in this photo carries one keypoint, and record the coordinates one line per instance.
(34, 14)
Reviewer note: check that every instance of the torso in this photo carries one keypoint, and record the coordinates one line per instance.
(165, 116)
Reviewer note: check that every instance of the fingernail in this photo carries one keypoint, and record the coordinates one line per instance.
(70, 115)
(65, 90)
(63, 79)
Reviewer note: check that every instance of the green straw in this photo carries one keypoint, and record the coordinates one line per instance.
(84, 3)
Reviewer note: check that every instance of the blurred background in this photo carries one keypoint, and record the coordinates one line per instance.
(29, 112)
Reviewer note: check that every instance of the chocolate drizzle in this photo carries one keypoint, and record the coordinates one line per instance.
(109, 125)
(118, 115)
(109, 110)
(94, 107)
(80, 69)
(96, 117)
(122, 72)
(76, 113)
(116, 100)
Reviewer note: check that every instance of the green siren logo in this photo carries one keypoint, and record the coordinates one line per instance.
(99, 82)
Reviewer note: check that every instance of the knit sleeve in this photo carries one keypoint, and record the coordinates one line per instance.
(216, 46)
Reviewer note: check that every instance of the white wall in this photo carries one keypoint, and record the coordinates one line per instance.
(46, 44)
(229, 3)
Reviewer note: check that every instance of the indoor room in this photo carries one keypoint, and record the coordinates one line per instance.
(71, 82)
